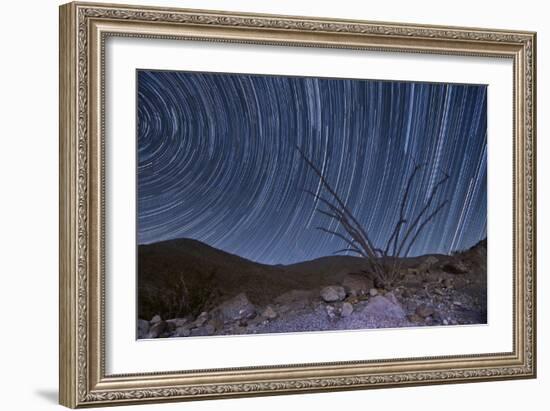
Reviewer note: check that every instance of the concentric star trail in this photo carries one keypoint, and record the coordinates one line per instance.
(217, 160)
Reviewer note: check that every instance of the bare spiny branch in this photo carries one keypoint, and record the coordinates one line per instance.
(424, 223)
(418, 218)
(394, 233)
(404, 200)
(339, 235)
(341, 217)
(329, 188)
(379, 252)
(385, 269)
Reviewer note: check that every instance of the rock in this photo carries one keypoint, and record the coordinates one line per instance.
(182, 332)
(333, 293)
(346, 310)
(240, 330)
(201, 319)
(236, 308)
(456, 267)
(410, 305)
(331, 311)
(356, 285)
(282, 309)
(437, 317)
(156, 319)
(170, 326)
(391, 296)
(352, 300)
(269, 313)
(142, 328)
(424, 310)
(422, 293)
(413, 318)
(209, 329)
(256, 321)
(428, 263)
(431, 277)
(447, 283)
(156, 329)
(381, 309)
(373, 292)
(445, 322)
(178, 322)
(199, 332)
(217, 323)
(295, 300)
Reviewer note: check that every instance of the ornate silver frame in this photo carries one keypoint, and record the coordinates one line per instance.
(83, 30)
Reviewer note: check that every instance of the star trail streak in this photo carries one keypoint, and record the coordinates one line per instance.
(217, 160)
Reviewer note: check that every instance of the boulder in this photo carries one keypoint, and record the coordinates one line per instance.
(182, 332)
(333, 293)
(383, 310)
(200, 332)
(437, 317)
(391, 296)
(415, 318)
(236, 308)
(201, 319)
(269, 313)
(142, 328)
(410, 305)
(170, 326)
(294, 296)
(156, 319)
(346, 309)
(180, 322)
(424, 310)
(217, 323)
(210, 329)
(356, 285)
(156, 329)
(331, 311)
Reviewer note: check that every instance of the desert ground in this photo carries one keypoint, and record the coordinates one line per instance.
(187, 288)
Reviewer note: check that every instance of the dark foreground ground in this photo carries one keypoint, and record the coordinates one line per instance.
(187, 288)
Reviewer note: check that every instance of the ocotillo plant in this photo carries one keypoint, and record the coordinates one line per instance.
(383, 261)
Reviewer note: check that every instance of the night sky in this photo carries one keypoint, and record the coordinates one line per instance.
(217, 160)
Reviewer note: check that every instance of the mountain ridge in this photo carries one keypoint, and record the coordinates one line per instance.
(187, 274)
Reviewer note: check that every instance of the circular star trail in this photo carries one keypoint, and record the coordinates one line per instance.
(217, 160)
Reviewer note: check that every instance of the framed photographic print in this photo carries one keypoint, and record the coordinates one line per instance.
(259, 204)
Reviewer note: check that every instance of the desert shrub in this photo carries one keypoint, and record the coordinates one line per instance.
(174, 295)
(384, 261)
